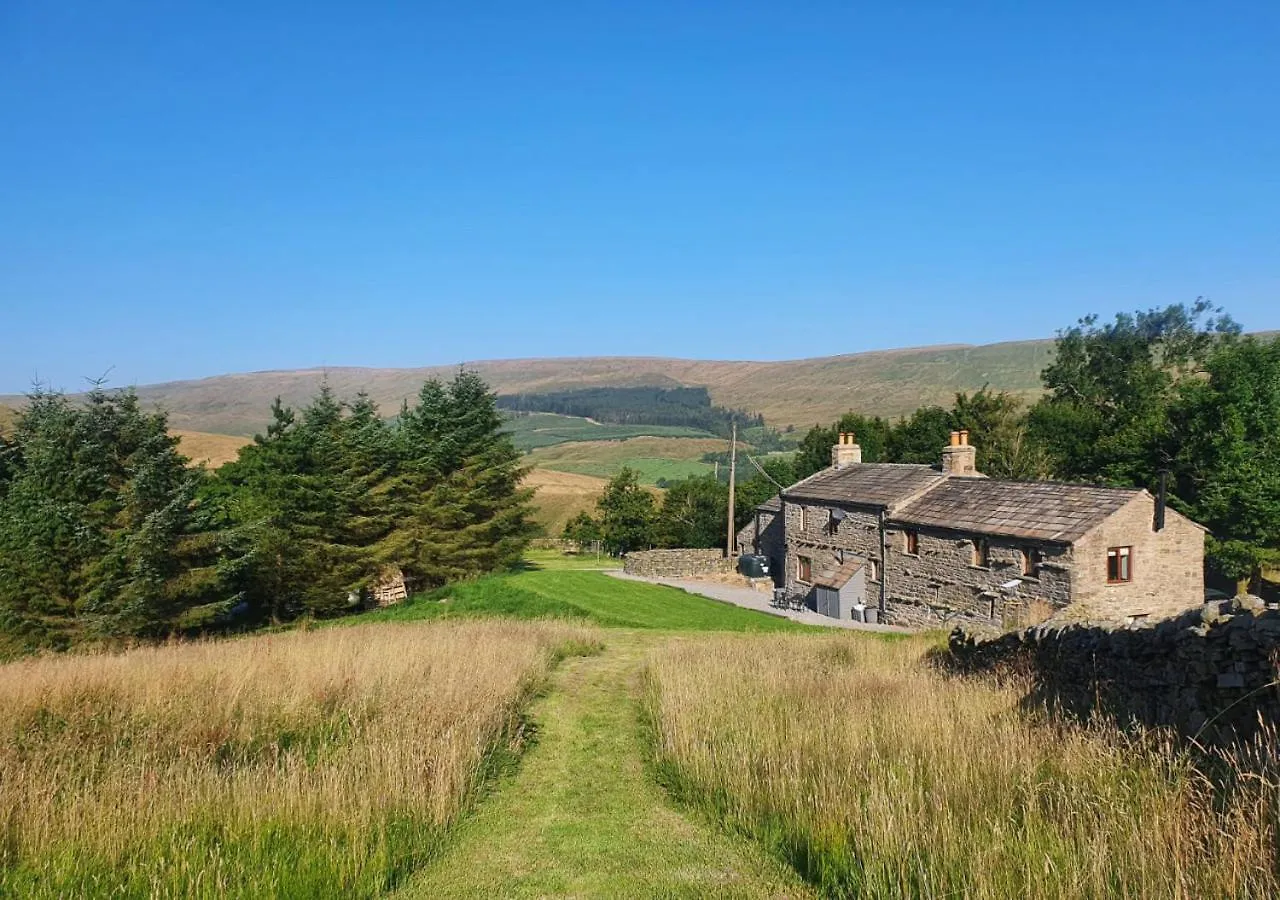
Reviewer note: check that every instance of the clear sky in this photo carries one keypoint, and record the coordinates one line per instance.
(190, 189)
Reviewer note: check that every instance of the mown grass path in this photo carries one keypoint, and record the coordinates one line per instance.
(582, 818)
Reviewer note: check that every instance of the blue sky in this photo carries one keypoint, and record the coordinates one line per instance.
(188, 189)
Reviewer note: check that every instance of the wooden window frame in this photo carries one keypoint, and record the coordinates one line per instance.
(804, 563)
(981, 556)
(1031, 559)
(911, 542)
(1126, 555)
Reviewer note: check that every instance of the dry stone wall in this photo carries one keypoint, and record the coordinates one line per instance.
(677, 563)
(1210, 673)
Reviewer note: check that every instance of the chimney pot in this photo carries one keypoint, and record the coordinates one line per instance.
(960, 457)
(846, 451)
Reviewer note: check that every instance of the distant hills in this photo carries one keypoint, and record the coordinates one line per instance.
(797, 392)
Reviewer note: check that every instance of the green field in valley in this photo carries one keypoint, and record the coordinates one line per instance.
(650, 470)
(532, 430)
(653, 458)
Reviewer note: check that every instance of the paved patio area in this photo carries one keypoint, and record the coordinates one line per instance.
(749, 599)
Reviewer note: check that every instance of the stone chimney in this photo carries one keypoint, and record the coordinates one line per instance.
(846, 452)
(960, 457)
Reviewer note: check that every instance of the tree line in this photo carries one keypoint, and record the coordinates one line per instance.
(690, 407)
(691, 512)
(106, 530)
(1178, 390)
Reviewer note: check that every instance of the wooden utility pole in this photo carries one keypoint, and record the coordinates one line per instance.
(733, 473)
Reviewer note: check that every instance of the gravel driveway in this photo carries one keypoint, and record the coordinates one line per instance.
(749, 599)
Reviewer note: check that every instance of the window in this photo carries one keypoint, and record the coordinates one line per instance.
(911, 542)
(981, 551)
(873, 570)
(1030, 561)
(802, 518)
(804, 571)
(1119, 565)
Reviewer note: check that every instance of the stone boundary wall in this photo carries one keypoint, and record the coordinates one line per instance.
(678, 563)
(1210, 674)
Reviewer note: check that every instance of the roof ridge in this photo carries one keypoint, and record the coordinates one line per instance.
(1050, 482)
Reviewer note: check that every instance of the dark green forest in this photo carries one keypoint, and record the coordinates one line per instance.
(107, 532)
(690, 407)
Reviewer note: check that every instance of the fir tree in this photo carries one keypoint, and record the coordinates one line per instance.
(100, 528)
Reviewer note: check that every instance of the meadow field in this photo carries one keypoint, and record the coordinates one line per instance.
(303, 764)
(556, 731)
(877, 777)
(561, 496)
(212, 450)
(532, 430)
(652, 458)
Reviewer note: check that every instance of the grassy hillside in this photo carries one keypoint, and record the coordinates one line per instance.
(531, 430)
(653, 458)
(584, 596)
(7, 418)
(561, 496)
(211, 449)
(796, 392)
(799, 392)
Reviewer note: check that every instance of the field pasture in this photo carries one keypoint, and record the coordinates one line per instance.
(556, 731)
(212, 450)
(652, 458)
(305, 764)
(532, 430)
(878, 777)
(561, 496)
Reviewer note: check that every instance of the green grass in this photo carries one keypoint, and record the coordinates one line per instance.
(582, 818)
(649, 470)
(548, 429)
(554, 559)
(591, 596)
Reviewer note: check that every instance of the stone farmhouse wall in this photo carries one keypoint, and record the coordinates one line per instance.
(768, 540)
(677, 563)
(1168, 566)
(939, 584)
(936, 587)
(1208, 673)
(809, 533)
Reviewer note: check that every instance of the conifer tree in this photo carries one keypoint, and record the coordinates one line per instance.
(100, 528)
(303, 494)
(460, 510)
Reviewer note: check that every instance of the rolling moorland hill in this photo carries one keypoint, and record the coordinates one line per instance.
(796, 392)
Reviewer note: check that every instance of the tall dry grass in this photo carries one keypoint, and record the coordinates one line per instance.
(302, 764)
(878, 777)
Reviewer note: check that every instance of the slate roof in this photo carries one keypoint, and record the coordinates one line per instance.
(1037, 510)
(838, 576)
(773, 504)
(866, 484)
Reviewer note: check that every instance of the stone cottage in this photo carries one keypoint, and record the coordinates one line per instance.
(933, 546)
(763, 535)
